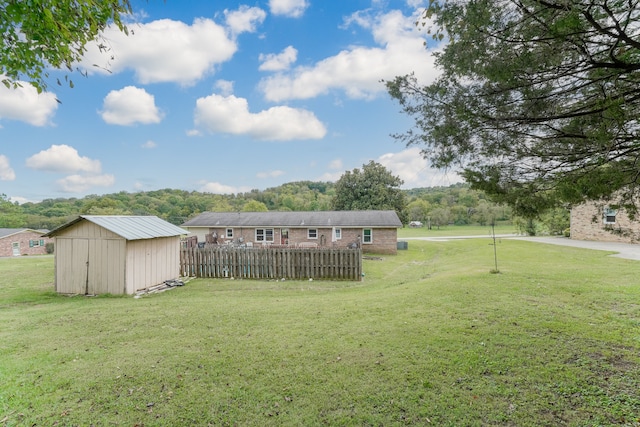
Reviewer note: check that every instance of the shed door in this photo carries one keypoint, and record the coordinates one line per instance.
(72, 256)
(80, 267)
(90, 266)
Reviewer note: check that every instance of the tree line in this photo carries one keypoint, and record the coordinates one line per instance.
(438, 206)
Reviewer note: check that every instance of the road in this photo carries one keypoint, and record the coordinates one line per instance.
(622, 250)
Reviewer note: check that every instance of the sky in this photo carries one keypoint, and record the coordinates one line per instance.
(223, 97)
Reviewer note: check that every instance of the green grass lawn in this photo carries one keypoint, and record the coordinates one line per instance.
(429, 337)
(455, 230)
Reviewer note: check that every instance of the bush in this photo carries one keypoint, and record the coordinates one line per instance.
(48, 247)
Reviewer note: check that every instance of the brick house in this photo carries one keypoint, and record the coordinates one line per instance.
(22, 241)
(375, 231)
(601, 222)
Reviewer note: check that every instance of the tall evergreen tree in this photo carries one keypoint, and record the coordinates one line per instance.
(538, 101)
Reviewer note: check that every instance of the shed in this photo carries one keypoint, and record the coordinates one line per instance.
(98, 254)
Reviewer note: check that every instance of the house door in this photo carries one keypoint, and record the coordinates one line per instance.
(284, 236)
(16, 248)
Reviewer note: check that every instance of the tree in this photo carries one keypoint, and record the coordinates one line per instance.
(418, 210)
(556, 221)
(486, 213)
(37, 35)
(440, 216)
(371, 188)
(538, 101)
(254, 206)
(11, 215)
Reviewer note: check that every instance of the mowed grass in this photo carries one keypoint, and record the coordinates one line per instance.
(429, 337)
(456, 230)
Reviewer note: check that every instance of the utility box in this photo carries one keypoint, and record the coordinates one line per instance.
(403, 245)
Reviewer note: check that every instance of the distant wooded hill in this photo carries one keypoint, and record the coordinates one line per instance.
(439, 205)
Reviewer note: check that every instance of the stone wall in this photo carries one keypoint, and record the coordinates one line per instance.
(587, 223)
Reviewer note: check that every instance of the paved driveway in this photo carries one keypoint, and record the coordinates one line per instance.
(622, 250)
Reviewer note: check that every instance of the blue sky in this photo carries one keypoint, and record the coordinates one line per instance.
(222, 97)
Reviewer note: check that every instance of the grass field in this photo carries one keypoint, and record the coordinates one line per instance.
(455, 230)
(429, 337)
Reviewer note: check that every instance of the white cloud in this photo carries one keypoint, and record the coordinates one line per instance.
(149, 144)
(129, 106)
(163, 51)
(25, 104)
(218, 188)
(231, 115)
(224, 86)
(22, 200)
(416, 3)
(244, 20)
(65, 159)
(278, 62)
(414, 169)
(358, 70)
(269, 174)
(81, 183)
(62, 158)
(6, 172)
(336, 164)
(330, 176)
(290, 8)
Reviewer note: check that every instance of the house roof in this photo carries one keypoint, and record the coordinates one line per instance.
(297, 219)
(128, 227)
(6, 232)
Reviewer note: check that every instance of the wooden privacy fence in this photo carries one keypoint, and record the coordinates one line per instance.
(272, 263)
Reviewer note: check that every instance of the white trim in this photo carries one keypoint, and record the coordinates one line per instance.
(364, 242)
(608, 212)
(264, 236)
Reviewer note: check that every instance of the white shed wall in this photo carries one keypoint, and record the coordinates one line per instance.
(151, 262)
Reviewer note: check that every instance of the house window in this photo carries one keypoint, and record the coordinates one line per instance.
(312, 233)
(367, 235)
(610, 216)
(229, 233)
(264, 234)
(338, 233)
(36, 243)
